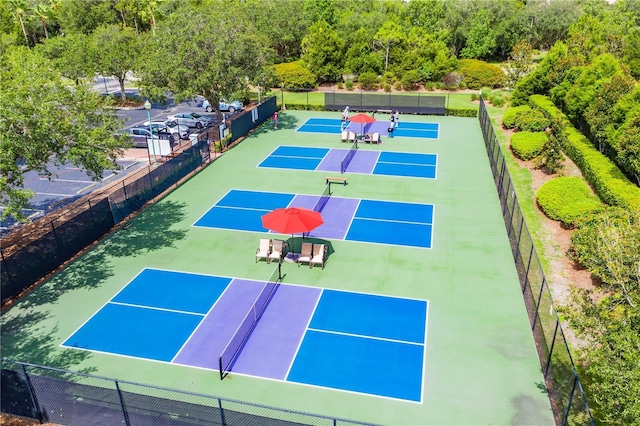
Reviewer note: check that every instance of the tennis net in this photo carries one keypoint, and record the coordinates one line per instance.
(347, 158)
(241, 335)
(323, 198)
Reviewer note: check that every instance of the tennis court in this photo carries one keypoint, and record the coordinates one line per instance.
(302, 335)
(353, 160)
(351, 219)
(408, 323)
(407, 129)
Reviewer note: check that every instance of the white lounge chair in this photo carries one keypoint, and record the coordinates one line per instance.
(352, 137)
(345, 136)
(277, 250)
(319, 255)
(376, 138)
(264, 250)
(305, 253)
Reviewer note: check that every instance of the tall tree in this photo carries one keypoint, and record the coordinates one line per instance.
(19, 11)
(520, 62)
(387, 36)
(116, 51)
(43, 11)
(46, 118)
(322, 50)
(481, 39)
(212, 54)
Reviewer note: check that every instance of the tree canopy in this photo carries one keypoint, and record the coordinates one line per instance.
(47, 118)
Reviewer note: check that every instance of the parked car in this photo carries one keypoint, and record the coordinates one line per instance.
(191, 119)
(223, 105)
(178, 131)
(139, 135)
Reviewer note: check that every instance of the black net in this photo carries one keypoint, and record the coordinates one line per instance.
(68, 398)
(347, 158)
(363, 101)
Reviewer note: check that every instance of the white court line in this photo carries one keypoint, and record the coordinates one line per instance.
(156, 308)
(365, 336)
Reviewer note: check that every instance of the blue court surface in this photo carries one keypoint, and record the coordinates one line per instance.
(404, 128)
(369, 221)
(346, 341)
(405, 164)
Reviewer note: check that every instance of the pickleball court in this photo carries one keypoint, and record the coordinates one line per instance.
(307, 335)
(350, 219)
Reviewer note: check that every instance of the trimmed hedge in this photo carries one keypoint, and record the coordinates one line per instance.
(532, 121)
(477, 74)
(610, 183)
(528, 145)
(462, 112)
(566, 199)
(295, 75)
(510, 115)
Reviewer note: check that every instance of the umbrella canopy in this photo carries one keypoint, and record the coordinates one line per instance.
(363, 119)
(292, 220)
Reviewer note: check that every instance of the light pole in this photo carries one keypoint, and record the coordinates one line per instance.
(147, 106)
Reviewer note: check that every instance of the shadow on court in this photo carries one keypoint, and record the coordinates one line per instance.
(155, 232)
(298, 240)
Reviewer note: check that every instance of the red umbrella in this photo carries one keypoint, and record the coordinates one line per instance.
(292, 220)
(363, 119)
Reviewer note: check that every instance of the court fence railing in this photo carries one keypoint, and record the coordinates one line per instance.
(71, 398)
(43, 246)
(566, 394)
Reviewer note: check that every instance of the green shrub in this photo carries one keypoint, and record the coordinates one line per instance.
(497, 100)
(386, 87)
(528, 145)
(509, 117)
(475, 97)
(566, 199)
(462, 112)
(295, 75)
(532, 120)
(388, 77)
(610, 183)
(477, 74)
(398, 86)
(340, 85)
(411, 80)
(349, 84)
(485, 92)
(368, 80)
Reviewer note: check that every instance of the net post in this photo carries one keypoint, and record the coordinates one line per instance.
(220, 367)
(279, 271)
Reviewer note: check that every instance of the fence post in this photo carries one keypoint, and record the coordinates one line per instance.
(122, 406)
(519, 236)
(553, 343)
(537, 302)
(573, 391)
(222, 420)
(32, 395)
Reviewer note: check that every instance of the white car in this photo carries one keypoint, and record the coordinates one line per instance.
(223, 105)
(178, 131)
(191, 119)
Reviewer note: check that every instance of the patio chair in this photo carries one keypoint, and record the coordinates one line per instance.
(264, 250)
(367, 138)
(345, 136)
(277, 250)
(352, 137)
(376, 138)
(319, 255)
(305, 253)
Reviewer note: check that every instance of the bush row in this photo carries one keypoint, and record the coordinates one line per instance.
(566, 199)
(509, 117)
(528, 145)
(611, 184)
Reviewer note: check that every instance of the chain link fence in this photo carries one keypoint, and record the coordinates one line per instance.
(565, 389)
(76, 399)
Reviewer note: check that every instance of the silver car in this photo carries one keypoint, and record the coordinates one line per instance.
(191, 119)
(178, 131)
